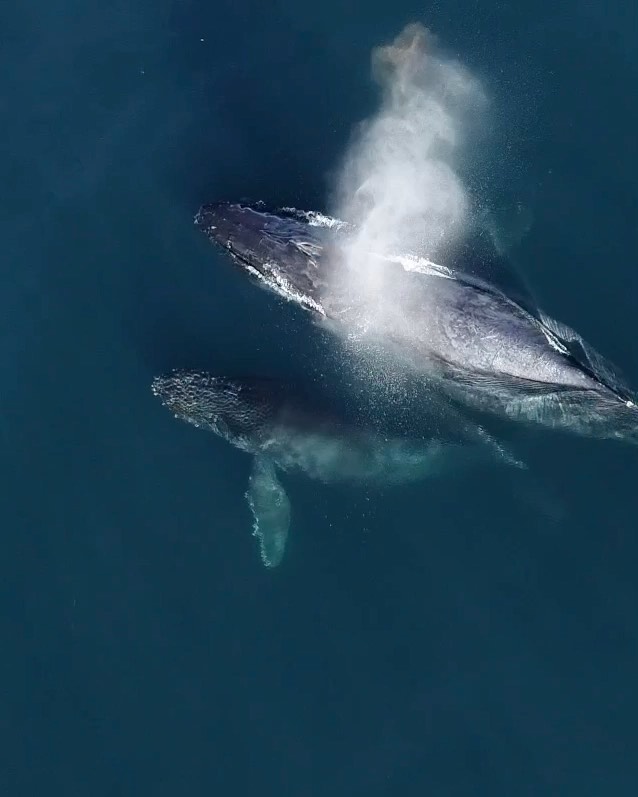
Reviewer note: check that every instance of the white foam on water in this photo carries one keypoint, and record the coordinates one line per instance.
(317, 219)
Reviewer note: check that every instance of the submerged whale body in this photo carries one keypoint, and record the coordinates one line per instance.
(282, 433)
(482, 338)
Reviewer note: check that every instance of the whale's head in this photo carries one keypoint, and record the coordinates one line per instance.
(281, 250)
(237, 411)
(237, 228)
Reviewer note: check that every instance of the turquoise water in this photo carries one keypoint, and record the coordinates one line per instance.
(474, 636)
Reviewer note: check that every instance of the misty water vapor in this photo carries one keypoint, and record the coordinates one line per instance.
(399, 184)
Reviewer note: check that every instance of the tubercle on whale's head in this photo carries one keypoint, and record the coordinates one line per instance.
(232, 409)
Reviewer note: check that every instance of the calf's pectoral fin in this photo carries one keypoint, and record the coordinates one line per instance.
(270, 506)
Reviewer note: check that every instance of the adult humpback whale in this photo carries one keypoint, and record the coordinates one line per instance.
(482, 338)
(282, 433)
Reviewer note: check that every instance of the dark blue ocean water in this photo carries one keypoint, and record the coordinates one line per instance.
(455, 638)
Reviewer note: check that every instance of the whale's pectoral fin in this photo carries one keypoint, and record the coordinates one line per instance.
(271, 511)
(586, 355)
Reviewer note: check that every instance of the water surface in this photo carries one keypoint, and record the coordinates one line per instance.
(446, 639)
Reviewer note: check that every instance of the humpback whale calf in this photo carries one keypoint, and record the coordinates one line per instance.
(282, 433)
(468, 324)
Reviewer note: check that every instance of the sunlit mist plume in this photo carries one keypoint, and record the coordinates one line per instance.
(400, 183)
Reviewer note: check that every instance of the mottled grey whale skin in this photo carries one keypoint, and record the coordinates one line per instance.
(282, 433)
(482, 338)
